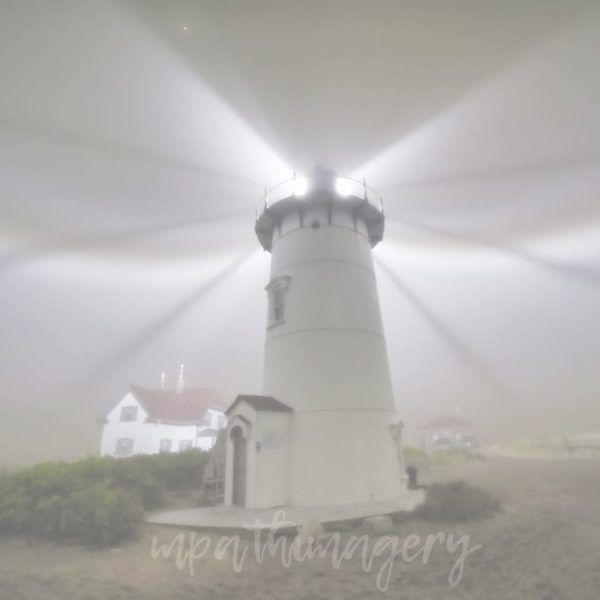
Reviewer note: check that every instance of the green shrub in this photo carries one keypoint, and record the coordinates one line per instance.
(95, 515)
(180, 471)
(95, 501)
(99, 515)
(135, 475)
(55, 500)
(457, 501)
(15, 507)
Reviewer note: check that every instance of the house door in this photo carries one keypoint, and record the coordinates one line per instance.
(239, 466)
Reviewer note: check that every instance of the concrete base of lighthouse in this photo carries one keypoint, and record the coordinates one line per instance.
(285, 519)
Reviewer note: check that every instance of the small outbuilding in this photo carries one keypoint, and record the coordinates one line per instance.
(258, 452)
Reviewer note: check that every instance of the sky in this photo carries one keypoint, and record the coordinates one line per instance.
(136, 139)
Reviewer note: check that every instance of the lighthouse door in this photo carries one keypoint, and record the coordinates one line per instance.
(239, 466)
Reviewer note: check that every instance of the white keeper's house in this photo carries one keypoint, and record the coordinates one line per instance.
(147, 421)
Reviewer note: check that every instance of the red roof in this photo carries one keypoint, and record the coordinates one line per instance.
(187, 406)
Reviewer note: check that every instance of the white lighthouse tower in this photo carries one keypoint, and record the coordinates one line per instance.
(325, 431)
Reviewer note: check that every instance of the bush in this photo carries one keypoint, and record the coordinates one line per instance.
(95, 516)
(62, 502)
(133, 475)
(95, 501)
(175, 471)
(456, 502)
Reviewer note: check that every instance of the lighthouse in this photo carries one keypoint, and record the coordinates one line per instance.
(325, 430)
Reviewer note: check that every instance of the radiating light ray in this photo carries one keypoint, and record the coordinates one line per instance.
(581, 273)
(146, 336)
(205, 29)
(544, 201)
(116, 150)
(502, 125)
(86, 243)
(178, 120)
(531, 170)
(483, 373)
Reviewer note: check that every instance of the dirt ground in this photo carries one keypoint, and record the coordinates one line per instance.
(544, 545)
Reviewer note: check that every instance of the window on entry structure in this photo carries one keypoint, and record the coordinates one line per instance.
(165, 445)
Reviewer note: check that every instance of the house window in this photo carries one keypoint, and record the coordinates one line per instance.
(165, 445)
(185, 445)
(124, 447)
(129, 413)
(277, 290)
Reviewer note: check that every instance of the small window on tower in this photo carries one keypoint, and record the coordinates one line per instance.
(277, 290)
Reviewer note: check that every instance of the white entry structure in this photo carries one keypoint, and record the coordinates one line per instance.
(326, 430)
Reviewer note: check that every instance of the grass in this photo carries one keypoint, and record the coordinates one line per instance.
(543, 545)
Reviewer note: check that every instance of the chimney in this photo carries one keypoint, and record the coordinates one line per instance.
(180, 380)
(163, 380)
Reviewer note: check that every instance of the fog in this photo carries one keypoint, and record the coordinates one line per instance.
(137, 136)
